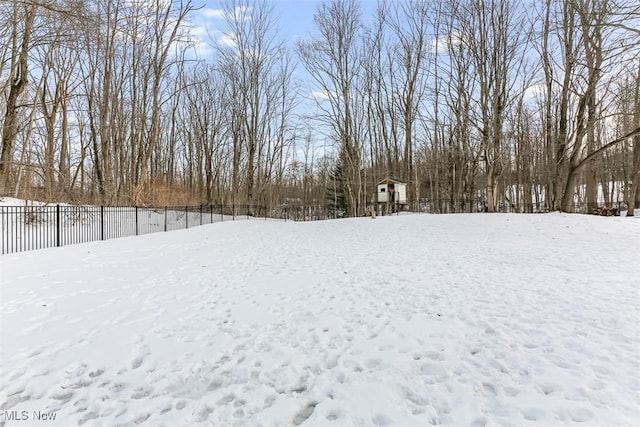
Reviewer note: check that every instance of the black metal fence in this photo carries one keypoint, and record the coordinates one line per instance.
(479, 205)
(32, 226)
(36, 227)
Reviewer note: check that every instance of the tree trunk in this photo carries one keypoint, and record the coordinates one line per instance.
(18, 81)
(634, 193)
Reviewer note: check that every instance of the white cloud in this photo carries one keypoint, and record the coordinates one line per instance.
(213, 13)
(242, 12)
(198, 42)
(323, 94)
(199, 31)
(535, 91)
(202, 49)
(208, 27)
(239, 12)
(228, 40)
(443, 42)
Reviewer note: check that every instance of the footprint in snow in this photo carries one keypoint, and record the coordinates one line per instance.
(226, 399)
(305, 413)
(17, 374)
(580, 415)
(269, 401)
(331, 362)
(141, 418)
(117, 387)
(215, 384)
(86, 417)
(511, 392)
(81, 405)
(548, 388)
(74, 370)
(96, 373)
(415, 398)
(202, 413)
(38, 351)
(381, 420)
(139, 355)
(141, 392)
(434, 355)
(373, 363)
(533, 414)
(80, 383)
(10, 402)
(480, 422)
(63, 396)
(489, 389)
(333, 415)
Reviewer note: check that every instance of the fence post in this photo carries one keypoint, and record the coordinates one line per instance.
(58, 225)
(165, 219)
(211, 214)
(200, 214)
(101, 222)
(136, 220)
(186, 216)
(233, 211)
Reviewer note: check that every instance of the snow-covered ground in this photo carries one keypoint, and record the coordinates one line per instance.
(460, 320)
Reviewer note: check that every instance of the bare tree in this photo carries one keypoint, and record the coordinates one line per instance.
(57, 58)
(165, 27)
(409, 23)
(633, 195)
(455, 145)
(495, 33)
(598, 47)
(334, 60)
(258, 74)
(22, 21)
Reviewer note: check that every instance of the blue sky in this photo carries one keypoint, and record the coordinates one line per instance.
(294, 22)
(295, 17)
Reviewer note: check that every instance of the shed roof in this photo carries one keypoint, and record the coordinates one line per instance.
(390, 181)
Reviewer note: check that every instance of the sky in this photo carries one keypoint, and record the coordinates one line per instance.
(295, 18)
(294, 21)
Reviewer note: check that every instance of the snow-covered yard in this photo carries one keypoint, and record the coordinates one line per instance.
(408, 321)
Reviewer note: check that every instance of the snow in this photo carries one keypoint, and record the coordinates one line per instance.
(460, 320)
(10, 201)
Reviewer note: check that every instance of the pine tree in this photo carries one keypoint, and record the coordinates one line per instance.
(336, 190)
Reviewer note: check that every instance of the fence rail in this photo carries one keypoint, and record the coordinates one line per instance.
(37, 227)
(480, 205)
(32, 226)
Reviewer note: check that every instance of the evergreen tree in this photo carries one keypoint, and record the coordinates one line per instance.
(343, 181)
(336, 189)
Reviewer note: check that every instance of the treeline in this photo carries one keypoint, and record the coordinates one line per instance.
(495, 102)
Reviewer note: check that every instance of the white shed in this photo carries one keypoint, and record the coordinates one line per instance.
(392, 192)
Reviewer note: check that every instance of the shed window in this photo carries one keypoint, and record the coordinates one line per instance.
(382, 190)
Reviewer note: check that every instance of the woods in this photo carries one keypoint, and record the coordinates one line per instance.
(476, 105)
